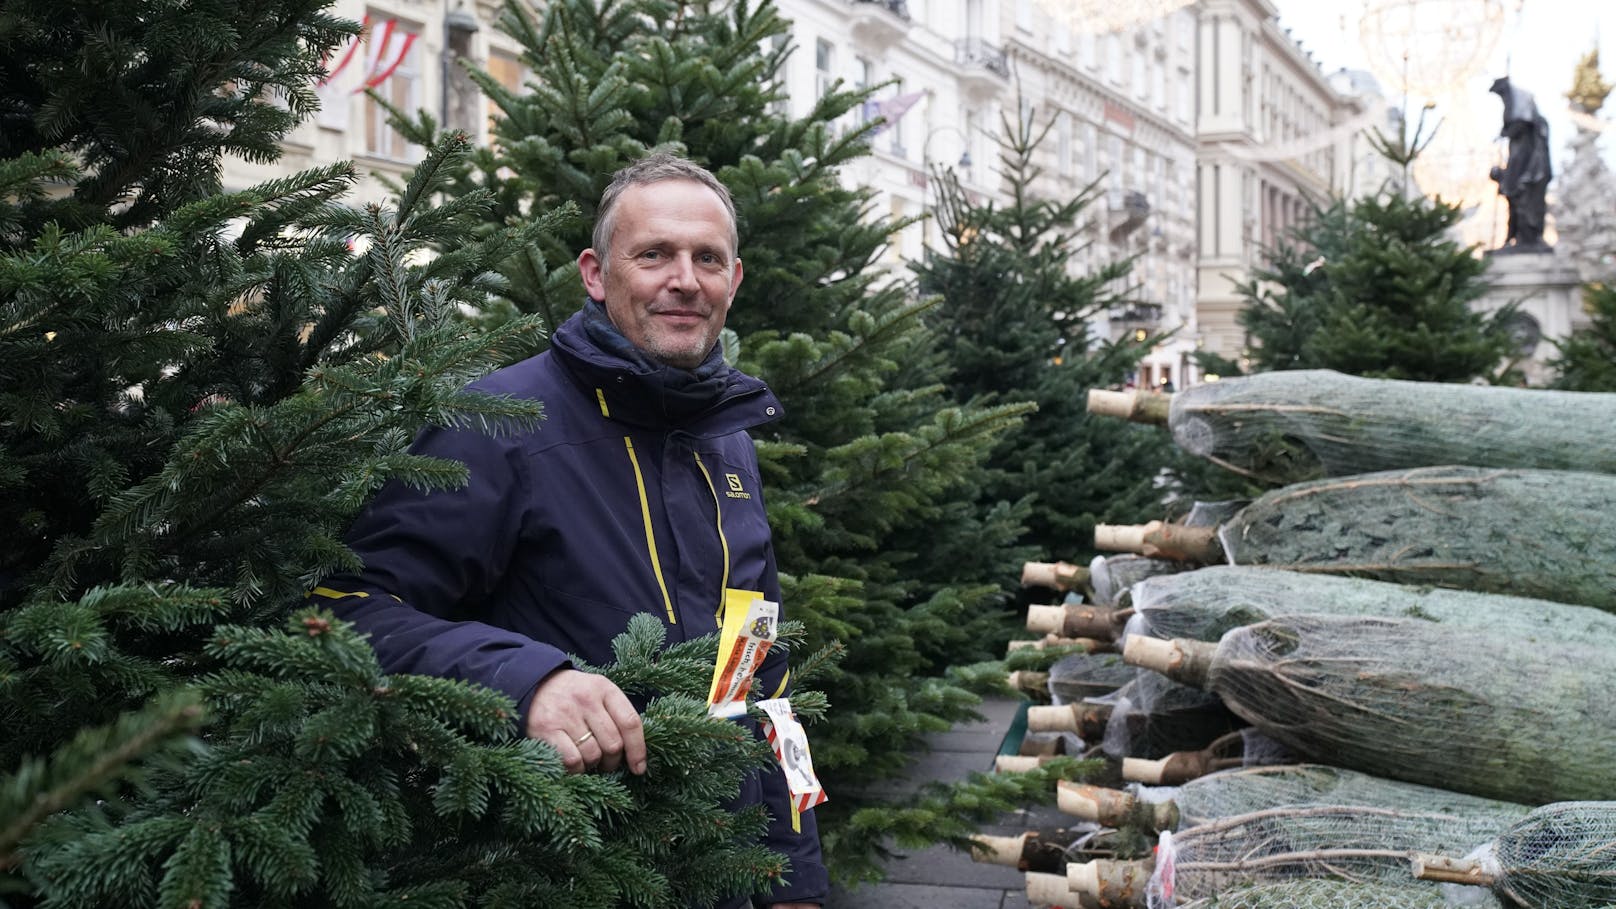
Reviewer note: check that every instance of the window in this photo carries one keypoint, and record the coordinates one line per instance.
(1064, 144)
(393, 71)
(1113, 58)
(1090, 143)
(1024, 15)
(509, 72)
(824, 67)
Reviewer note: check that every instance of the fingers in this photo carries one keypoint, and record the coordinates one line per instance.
(588, 720)
(629, 729)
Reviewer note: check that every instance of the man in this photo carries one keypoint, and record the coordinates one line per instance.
(638, 493)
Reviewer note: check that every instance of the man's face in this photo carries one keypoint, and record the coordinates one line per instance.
(672, 272)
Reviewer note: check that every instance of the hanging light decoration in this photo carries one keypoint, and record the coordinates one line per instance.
(1455, 167)
(1429, 48)
(1101, 17)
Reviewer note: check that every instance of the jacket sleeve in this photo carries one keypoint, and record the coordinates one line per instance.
(430, 557)
(797, 840)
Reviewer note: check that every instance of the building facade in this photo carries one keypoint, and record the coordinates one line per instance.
(1123, 112)
(408, 54)
(1272, 132)
(944, 76)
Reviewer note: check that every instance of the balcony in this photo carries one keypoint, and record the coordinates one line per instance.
(1128, 212)
(879, 24)
(984, 68)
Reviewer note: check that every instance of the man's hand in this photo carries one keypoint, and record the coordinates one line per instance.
(589, 720)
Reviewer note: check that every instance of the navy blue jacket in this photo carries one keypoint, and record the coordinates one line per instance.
(639, 492)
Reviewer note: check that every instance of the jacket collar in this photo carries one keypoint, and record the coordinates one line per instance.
(712, 400)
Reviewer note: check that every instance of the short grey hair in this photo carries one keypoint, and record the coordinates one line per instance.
(655, 168)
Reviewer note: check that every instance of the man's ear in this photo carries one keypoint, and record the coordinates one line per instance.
(593, 272)
(735, 285)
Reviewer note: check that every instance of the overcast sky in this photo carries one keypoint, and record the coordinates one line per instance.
(1538, 46)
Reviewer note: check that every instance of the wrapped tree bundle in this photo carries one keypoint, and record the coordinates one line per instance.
(1293, 426)
(1466, 710)
(1081, 676)
(1352, 843)
(1561, 856)
(1105, 580)
(1307, 893)
(1045, 851)
(1153, 716)
(1203, 605)
(1236, 792)
(1544, 534)
(1246, 748)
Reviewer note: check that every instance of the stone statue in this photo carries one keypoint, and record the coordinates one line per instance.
(1525, 179)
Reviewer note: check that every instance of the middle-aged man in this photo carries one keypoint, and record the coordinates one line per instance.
(638, 493)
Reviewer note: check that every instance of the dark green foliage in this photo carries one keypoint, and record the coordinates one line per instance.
(951, 814)
(872, 457)
(1587, 359)
(328, 783)
(1012, 325)
(1374, 287)
(197, 392)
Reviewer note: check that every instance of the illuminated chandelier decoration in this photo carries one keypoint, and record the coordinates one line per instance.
(1429, 48)
(1455, 165)
(1101, 17)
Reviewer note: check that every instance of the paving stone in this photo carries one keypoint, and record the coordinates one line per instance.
(917, 896)
(944, 866)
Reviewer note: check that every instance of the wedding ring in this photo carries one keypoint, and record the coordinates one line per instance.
(584, 738)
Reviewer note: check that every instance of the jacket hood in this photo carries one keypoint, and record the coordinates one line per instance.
(712, 399)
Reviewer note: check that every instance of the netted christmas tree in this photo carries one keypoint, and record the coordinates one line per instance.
(872, 454)
(197, 392)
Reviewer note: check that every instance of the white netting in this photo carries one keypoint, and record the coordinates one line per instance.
(1319, 894)
(1081, 676)
(1487, 714)
(1561, 856)
(1203, 605)
(1351, 843)
(1289, 426)
(1545, 534)
(1110, 577)
(1153, 716)
(1234, 792)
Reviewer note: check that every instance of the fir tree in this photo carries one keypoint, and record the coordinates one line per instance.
(1375, 287)
(1014, 325)
(872, 452)
(1587, 359)
(197, 392)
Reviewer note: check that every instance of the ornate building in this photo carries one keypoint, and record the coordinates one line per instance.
(949, 80)
(407, 53)
(1123, 111)
(1272, 132)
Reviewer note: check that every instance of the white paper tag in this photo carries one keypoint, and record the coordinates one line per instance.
(790, 742)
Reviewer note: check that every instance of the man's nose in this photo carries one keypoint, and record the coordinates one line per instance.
(683, 277)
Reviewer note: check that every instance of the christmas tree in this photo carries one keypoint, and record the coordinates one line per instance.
(197, 392)
(1587, 359)
(1014, 325)
(872, 456)
(1375, 287)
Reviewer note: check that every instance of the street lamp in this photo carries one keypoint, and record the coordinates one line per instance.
(925, 168)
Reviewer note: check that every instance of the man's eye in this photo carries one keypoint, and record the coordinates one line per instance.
(651, 254)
